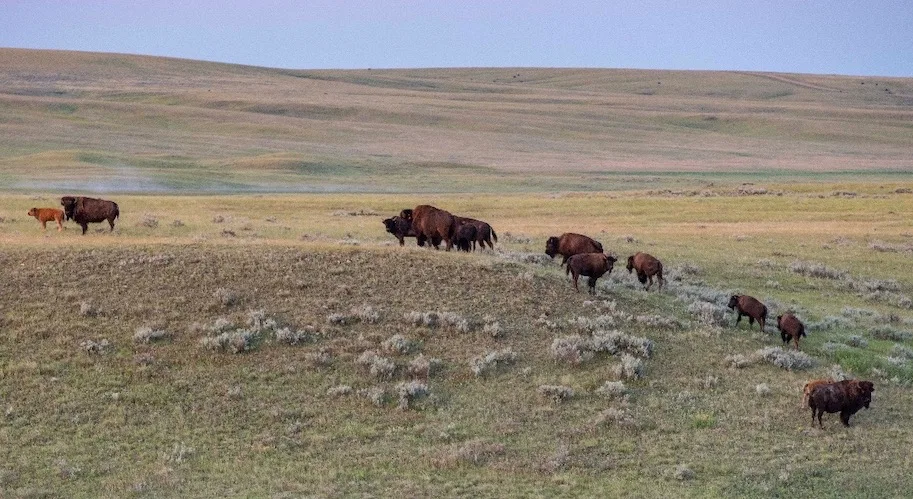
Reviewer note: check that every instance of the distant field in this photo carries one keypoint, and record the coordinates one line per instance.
(108, 122)
(113, 381)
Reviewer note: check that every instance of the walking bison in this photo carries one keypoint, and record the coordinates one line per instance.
(646, 266)
(845, 397)
(85, 210)
(570, 244)
(434, 225)
(748, 305)
(791, 328)
(45, 215)
(592, 265)
(484, 232)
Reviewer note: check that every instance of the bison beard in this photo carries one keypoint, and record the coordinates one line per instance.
(85, 210)
(845, 397)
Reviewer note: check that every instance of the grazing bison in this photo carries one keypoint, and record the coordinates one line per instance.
(89, 210)
(811, 385)
(747, 305)
(400, 228)
(845, 397)
(465, 237)
(434, 225)
(647, 266)
(484, 232)
(790, 328)
(592, 265)
(45, 215)
(570, 244)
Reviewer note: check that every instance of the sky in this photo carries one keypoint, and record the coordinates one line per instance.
(872, 37)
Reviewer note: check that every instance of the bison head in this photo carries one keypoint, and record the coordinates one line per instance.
(630, 263)
(33, 212)
(551, 247)
(390, 224)
(610, 263)
(733, 301)
(69, 206)
(865, 392)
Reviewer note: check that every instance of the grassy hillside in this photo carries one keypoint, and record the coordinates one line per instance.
(226, 354)
(108, 122)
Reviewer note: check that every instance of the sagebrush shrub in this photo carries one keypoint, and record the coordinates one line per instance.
(491, 361)
(613, 389)
(237, 341)
(818, 270)
(148, 335)
(573, 349)
(225, 297)
(630, 367)
(289, 336)
(87, 309)
(787, 359)
(339, 390)
(614, 416)
(424, 367)
(890, 333)
(321, 358)
(762, 389)
(558, 393)
(95, 347)
(857, 341)
(738, 361)
(379, 367)
(709, 314)
(377, 395)
(398, 344)
(410, 391)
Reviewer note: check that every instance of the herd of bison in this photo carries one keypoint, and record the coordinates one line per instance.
(581, 256)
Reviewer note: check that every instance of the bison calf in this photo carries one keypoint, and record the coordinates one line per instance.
(400, 228)
(646, 266)
(592, 265)
(845, 397)
(45, 215)
(790, 328)
(570, 244)
(465, 237)
(747, 305)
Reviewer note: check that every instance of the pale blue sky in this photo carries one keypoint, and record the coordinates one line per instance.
(872, 37)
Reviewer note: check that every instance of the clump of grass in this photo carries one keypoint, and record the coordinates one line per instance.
(289, 336)
(398, 345)
(593, 324)
(409, 391)
(890, 333)
(703, 421)
(87, 309)
(379, 367)
(377, 395)
(830, 322)
(490, 362)
(709, 382)
(493, 329)
(787, 359)
(321, 358)
(857, 313)
(630, 367)
(366, 314)
(476, 452)
(817, 270)
(93, 347)
(574, 349)
(739, 361)
(148, 221)
(857, 341)
(613, 390)
(901, 352)
(218, 219)
(659, 322)
(424, 367)
(709, 314)
(682, 473)
(147, 335)
(614, 416)
(237, 341)
(875, 285)
(225, 297)
(762, 389)
(558, 393)
(177, 223)
(433, 319)
(339, 391)
(340, 319)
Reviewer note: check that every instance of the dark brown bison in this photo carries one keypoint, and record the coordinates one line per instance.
(484, 232)
(89, 210)
(434, 225)
(646, 266)
(790, 328)
(570, 244)
(592, 265)
(747, 305)
(45, 215)
(465, 237)
(845, 397)
(400, 228)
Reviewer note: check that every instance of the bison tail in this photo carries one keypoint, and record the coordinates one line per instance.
(116, 211)
(494, 235)
(764, 313)
(802, 331)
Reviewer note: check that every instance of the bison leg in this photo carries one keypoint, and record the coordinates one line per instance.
(576, 276)
(592, 284)
(402, 240)
(111, 223)
(750, 320)
(738, 318)
(59, 225)
(660, 280)
(44, 225)
(845, 417)
(761, 324)
(85, 227)
(649, 283)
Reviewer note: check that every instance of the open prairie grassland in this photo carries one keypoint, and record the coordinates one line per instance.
(284, 345)
(249, 329)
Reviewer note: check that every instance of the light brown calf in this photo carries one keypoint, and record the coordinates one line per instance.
(45, 215)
